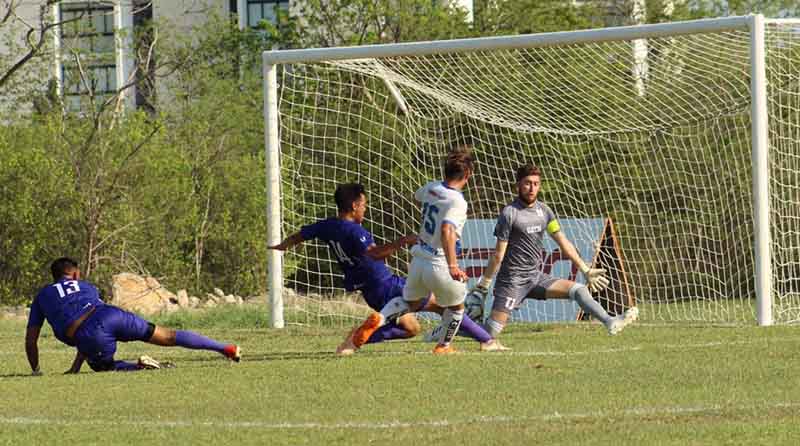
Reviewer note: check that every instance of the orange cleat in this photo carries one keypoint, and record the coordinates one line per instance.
(444, 349)
(365, 330)
(233, 352)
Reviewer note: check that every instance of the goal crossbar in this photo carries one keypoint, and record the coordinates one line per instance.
(310, 55)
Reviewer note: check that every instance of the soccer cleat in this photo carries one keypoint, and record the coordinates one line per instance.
(435, 334)
(233, 352)
(631, 315)
(616, 325)
(444, 349)
(146, 362)
(365, 330)
(347, 347)
(493, 346)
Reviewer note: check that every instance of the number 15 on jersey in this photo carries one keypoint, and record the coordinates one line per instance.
(429, 213)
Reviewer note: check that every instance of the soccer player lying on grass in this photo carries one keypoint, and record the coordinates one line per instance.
(433, 269)
(364, 267)
(520, 231)
(80, 319)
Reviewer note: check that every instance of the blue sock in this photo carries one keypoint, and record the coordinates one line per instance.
(387, 332)
(122, 366)
(473, 330)
(188, 339)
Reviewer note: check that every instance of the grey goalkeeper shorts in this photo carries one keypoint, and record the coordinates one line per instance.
(508, 296)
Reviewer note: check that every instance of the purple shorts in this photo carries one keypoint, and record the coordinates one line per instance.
(97, 336)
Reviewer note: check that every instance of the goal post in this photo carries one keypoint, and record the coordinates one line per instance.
(760, 154)
(273, 175)
(681, 160)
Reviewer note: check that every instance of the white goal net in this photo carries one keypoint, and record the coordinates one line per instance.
(653, 133)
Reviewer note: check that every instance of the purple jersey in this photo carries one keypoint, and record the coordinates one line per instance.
(349, 242)
(61, 304)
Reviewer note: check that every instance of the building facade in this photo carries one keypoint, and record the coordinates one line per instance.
(93, 45)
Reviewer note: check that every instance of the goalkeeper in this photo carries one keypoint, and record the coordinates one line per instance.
(518, 254)
(365, 270)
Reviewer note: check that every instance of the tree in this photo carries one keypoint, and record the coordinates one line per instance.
(326, 23)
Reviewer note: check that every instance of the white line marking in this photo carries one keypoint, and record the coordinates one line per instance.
(632, 412)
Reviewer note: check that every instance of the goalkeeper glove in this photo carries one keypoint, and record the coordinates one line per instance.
(595, 277)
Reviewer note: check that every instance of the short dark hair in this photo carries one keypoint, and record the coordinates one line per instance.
(459, 161)
(346, 195)
(61, 266)
(528, 170)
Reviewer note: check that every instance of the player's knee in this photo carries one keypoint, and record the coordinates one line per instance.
(410, 324)
(579, 290)
(494, 327)
(102, 365)
(162, 336)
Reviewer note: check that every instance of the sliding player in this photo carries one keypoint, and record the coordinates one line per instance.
(365, 270)
(433, 268)
(81, 320)
(520, 231)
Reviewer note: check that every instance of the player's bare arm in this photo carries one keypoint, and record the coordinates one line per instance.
(595, 277)
(289, 242)
(495, 260)
(449, 245)
(382, 252)
(32, 348)
(76, 363)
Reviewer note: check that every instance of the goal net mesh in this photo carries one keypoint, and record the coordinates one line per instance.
(653, 134)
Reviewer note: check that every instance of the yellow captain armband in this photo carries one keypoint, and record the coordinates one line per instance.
(553, 227)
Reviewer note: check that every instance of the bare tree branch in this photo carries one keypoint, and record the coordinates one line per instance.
(34, 45)
(118, 230)
(11, 6)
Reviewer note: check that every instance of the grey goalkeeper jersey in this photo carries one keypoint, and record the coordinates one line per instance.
(523, 228)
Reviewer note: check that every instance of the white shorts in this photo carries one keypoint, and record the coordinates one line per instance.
(427, 276)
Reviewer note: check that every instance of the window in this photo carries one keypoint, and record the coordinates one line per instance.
(258, 10)
(87, 35)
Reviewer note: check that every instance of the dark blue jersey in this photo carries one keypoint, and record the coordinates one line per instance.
(61, 304)
(349, 242)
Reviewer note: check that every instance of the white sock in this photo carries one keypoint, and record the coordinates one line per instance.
(451, 319)
(394, 309)
(493, 327)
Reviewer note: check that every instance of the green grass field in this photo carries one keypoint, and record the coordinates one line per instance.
(562, 385)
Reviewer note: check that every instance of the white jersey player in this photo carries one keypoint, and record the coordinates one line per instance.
(434, 268)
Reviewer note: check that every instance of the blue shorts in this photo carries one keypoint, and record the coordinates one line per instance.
(97, 336)
(387, 290)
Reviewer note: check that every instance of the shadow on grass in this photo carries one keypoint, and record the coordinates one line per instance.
(18, 375)
(287, 356)
(258, 357)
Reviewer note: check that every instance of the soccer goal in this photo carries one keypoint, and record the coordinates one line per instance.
(685, 135)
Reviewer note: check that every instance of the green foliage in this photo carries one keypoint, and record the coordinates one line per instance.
(179, 192)
(501, 17)
(36, 210)
(322, 23)
(227, 316)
